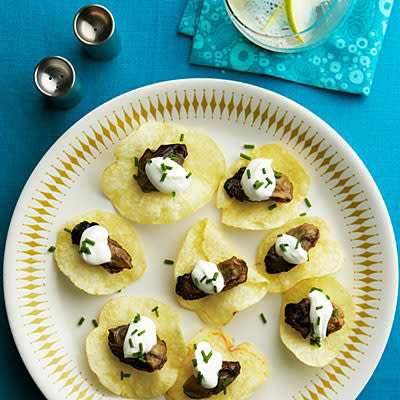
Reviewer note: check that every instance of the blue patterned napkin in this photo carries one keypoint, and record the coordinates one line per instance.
(346, 62)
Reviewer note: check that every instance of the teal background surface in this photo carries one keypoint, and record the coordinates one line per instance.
(153, 51)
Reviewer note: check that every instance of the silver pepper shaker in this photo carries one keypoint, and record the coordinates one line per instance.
(94, 26)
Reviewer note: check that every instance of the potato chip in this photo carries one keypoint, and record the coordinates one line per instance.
(94, 279)
(330, 347)
(254, 367)
(257, 215)
(107, 367)
(205, 242)
(327, 257)
(204, 160)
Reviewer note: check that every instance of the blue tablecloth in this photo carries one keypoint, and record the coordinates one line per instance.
(153, 51)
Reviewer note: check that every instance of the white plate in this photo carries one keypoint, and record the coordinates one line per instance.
(43, 306)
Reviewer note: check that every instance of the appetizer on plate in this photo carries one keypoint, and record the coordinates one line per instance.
(214, 367)
(99, 252)
(137, 349)
(317, 316)
(263, 189)
(302, 248)
(163, 172)
(211, 279)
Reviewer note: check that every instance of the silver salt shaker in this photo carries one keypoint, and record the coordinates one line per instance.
(56, 79)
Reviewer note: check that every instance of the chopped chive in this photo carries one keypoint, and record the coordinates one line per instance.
(319, 307)
(245, 156)
(268, 180)
(278, 175)
(263, 319)
(225, 384)
(124, 375)
(137, 354)
(164, 175)
(202, 279)
(134, 176)
(271, 207)
(248, 173)
(163, 167)
(195, 346)
(119, 291)
(257, 185)
(173, 157)
(308, 203)
(51, 249)
(149, 161)
(130, 342)
(90, 241)
(312, 330)
(318, 321)
(134, 332)
(173, 194)
(137, 318)
(215, 276)
(335, 312)
(297, 244)
(327, 297)
(199, 377)
(169, 167)
(249, 146)
(208, 281)
(182, 137)
(315, 288)
(167, 261)
(303, 214)
(155, 310)
(280, 235)
(206, 358)
(141, 359)
(215, 289)
(136, 161)
(194, 362)
(188, 175)
(95, 324)
(196, 281)
(264, 171)
(80, 322)
(67, 230)
(141, 333)
(282, 247)
(230, 184)
(315, 341)
(141, 347)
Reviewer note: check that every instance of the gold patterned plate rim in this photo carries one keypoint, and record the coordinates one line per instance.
(43, 306)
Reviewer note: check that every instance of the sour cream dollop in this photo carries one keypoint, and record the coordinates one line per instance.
(258, 180)
(100, 252)
(320, 313)
(142, 335)
(207, 277)
(167, 175)
(208, 370)
(293, 253)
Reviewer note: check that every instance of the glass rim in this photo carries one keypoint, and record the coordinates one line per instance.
(288, 36)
